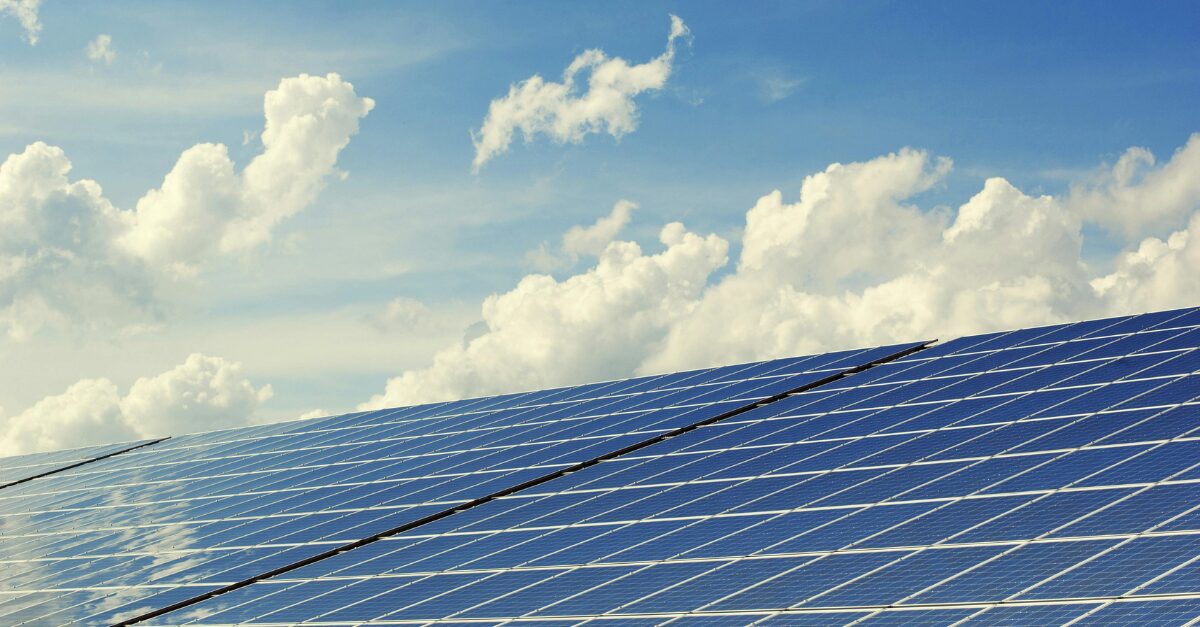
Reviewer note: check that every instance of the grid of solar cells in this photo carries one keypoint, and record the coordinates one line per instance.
(1047, 475)
(188, 515)
(18, 468)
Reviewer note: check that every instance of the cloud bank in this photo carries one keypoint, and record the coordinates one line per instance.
(853, 261)
(68, 255)
(564, 111)
(202, 393)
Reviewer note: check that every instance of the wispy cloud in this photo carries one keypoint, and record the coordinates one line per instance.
(25, 12)
(101, 50)
(566, 113)
(580, 241)
(775, 85)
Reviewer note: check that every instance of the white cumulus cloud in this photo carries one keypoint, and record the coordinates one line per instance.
(101, 49)
(853, 261)
(59, 260)
(202, 393)
(204, 206)
(566, 112)
(68, 254)
(25, 12)
(1136, 197)
(860, 267)
(594, 325)
(1158, 274)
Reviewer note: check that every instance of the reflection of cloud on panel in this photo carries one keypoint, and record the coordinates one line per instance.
(156, 559)
(113, 561)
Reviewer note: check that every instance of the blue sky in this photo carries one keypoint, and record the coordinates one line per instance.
(1046, 96)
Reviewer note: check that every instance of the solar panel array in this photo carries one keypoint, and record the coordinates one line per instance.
(156, 525)
(1036, 476)
(1039, 476)
(22, 468)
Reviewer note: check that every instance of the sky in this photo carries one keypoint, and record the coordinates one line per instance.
(215, 214)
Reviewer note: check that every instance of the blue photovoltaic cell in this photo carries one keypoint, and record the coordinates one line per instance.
(151, 527)
(1012, 571)
(1031, 614)
(1127, 565)
(916, 617)
(1161, 612)
(815, 619)
(1028, 477)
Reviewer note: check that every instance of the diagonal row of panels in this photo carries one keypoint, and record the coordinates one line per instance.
(125, 534)
(1046, 475)
(21, 468)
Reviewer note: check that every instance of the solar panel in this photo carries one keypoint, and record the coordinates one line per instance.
(21, 468)
(186, 517)
(1043, 475)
